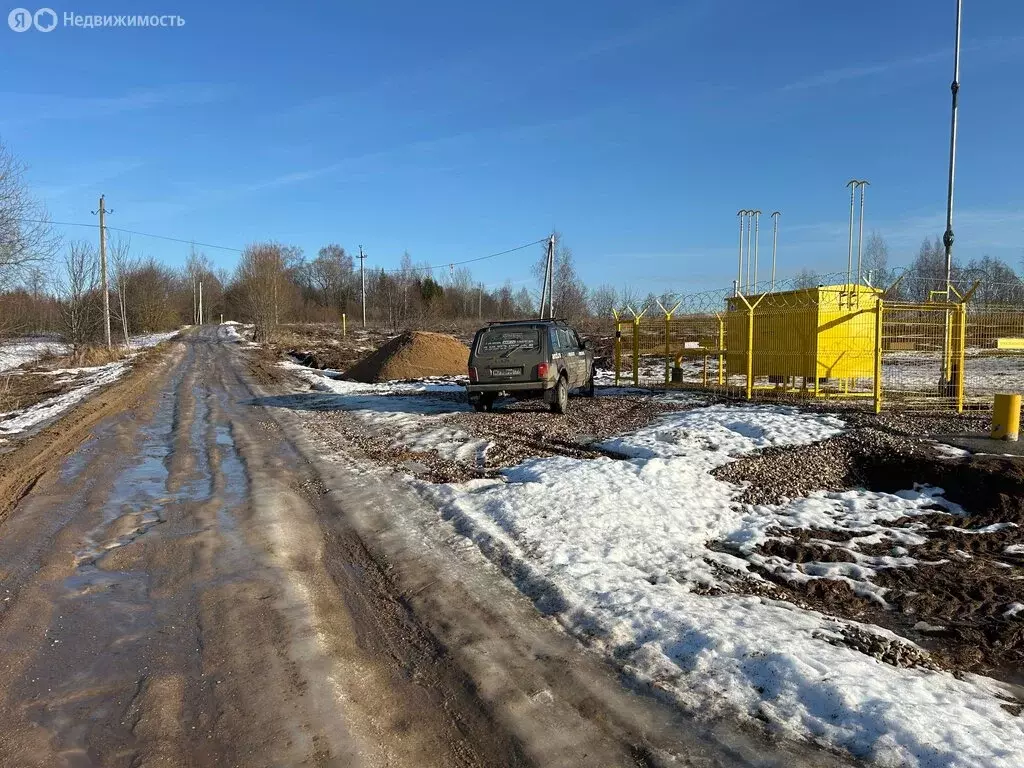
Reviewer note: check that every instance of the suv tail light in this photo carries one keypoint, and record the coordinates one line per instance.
(473, 374)
(542, 370)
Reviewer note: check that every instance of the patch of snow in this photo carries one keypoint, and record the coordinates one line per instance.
(407, 410)
(147, 340)
(1015, 549)
(950, 451)
(1012, 610)
(25, 419)
(618, 552)
(994, 528)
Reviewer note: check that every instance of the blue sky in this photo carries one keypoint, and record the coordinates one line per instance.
(453, 130)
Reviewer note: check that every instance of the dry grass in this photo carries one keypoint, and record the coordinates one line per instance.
(85, 357)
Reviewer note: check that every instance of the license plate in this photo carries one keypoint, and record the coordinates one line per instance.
(506, 371)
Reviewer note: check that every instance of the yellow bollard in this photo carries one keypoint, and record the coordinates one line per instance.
(344, 325)
(1006, 417)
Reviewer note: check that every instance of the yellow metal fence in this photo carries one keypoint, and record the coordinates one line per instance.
(832, 342)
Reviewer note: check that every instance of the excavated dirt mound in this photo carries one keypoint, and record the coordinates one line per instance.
(413, 355)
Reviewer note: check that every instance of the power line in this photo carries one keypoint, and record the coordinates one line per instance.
(466, 261)
(241, 250)
(132, 232)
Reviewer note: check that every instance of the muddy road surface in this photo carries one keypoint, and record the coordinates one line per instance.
(180, 590)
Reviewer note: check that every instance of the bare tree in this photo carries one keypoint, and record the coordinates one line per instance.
(262, 285)
(603, 301)
(805, 278)
(876, 260)
(26, 237)
(331, 274)
(79, 295)
(122, 265)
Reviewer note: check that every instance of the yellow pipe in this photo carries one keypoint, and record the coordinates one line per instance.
(1006, 417)
(344, 325)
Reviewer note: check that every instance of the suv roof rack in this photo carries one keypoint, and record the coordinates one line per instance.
(529, 321)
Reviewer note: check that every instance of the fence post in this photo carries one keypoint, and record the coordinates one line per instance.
(668, 346)
(878, 357)
(721, 346)
(618, 346)
(750, 352)
(636, 350)
(961, 357)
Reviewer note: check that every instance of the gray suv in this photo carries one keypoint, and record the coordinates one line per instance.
(529, 359)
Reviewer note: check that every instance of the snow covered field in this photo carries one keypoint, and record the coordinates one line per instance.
(84, 382)
(653, 561)
(13, 354)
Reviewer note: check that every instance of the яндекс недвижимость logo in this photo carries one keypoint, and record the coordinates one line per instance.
(22, 19)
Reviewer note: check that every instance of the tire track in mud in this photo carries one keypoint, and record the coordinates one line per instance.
(174, 608)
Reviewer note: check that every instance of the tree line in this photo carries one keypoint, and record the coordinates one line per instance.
(51, 286)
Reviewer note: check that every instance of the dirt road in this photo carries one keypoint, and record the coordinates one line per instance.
(182, 590)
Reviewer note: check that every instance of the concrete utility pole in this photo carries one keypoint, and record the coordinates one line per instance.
(480, 302)
(362, 279)
(775, 242)
(200, 302)
(103, 270)
(544, 286)
(551, 277)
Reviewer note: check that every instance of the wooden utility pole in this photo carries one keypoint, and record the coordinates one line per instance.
(103, 270)
(362, 280)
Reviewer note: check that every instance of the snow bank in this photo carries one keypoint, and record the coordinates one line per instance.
(618, 552)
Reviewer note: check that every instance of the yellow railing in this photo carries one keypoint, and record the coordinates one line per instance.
(833, 342)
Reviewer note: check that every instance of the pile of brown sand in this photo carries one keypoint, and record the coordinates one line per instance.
(413, 355)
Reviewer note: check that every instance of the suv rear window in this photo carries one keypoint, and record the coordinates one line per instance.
(505, 339)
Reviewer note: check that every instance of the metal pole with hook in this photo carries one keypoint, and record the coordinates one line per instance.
(757, 218)
(947, 236)
(852, 184)
(860, 238)
(775, 242)
(747, 284)
(739, 266)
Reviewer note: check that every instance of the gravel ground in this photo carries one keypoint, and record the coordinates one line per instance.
(956, 609)
(516, 431)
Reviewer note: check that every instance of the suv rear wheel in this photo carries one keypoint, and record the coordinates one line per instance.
(561, 402)
(588, 388)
